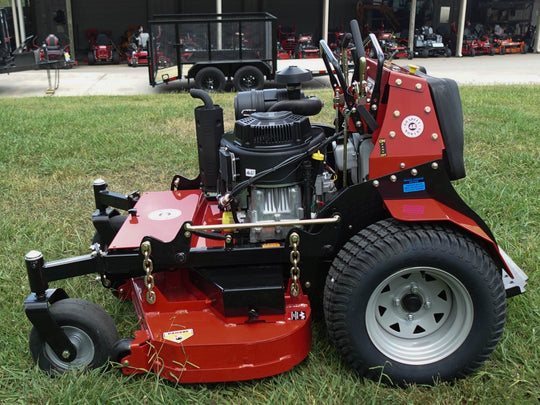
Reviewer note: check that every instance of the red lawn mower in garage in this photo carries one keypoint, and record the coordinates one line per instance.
(358, 220)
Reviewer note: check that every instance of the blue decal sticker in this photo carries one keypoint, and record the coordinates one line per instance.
(412, 185)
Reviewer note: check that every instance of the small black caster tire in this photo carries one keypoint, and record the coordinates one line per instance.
(88, 326)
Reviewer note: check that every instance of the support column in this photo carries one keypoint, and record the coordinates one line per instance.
(412, 22)
(537, 34)
(21, 20)
(461, 27)
(69, 15)
(219, 10)
(15, 24)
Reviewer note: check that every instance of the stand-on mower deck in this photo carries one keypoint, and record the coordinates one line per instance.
(358, 219)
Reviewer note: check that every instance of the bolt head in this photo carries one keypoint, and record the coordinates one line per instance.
(396, 113)
(418, 86)
(427, 304)
(434, 136)
(414, 172)
(392, 134)
(427, 109)
(410, 317)
(393, 178)
(434, 165)
(399, 82)
(376, 183)
(66, 354)
(125, 363)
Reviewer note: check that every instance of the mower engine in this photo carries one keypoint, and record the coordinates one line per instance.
(270, 168)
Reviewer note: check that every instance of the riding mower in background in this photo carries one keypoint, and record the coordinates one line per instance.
(305, 49)
(53, 50)
(427, 43)
(102, 49)
(138, 54)
(358, 221)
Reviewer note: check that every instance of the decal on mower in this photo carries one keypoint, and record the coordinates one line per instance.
(164, 214)
(251, 172)
(297, 315)
(382, 147)
(413, 185)
(412, 126)
(178, 336)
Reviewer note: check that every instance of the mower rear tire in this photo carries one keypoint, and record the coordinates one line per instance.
(414, 303)
(89, 328)
(210, 79)
(248, 78)
(91, 58)
(115, 58)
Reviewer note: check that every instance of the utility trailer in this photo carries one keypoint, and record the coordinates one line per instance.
(212, 49)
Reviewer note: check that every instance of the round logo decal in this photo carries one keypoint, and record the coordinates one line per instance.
(164, 214)
(412, 126)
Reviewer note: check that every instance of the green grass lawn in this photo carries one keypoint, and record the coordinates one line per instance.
(53, 148)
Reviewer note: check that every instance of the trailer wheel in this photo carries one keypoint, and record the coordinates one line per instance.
(248, 78)
(210, 79)
(416, 303)
(91, 330)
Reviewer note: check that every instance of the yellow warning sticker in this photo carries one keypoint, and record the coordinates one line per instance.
(178, 336)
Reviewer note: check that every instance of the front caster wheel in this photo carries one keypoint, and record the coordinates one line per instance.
(419, 303)
(91, 330)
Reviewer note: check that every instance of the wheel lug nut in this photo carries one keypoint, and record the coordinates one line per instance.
(427, 304)
(66, 354)
(397, 302)
(414, 289)
(410, 317)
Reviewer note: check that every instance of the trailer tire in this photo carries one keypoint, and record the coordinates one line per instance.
(91, 330)
(210, 79)
(248, 78)
(414, 303)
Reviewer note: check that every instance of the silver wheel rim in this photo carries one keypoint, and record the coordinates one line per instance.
(83, 344)
(419, 315)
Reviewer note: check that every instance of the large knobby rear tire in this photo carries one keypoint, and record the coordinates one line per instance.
(417, 303)
(89, 328)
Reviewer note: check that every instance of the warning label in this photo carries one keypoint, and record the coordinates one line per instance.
(178, 336)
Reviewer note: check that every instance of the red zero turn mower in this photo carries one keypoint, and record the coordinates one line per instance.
(359, 219)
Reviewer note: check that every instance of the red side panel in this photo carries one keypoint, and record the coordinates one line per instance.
(409, 134)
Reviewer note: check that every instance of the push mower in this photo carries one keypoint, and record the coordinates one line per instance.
(358, 221)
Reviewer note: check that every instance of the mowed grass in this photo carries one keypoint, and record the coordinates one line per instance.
(53, 148)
